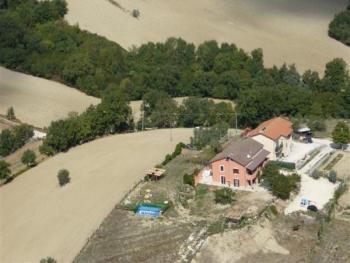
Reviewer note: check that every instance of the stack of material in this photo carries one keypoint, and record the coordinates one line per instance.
(156, 173)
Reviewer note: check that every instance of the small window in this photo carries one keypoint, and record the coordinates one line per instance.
(236, 182)
(236, 171)
(223, 180)
(221, 168)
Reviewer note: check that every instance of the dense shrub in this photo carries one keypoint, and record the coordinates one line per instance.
(317, 125)
(15, 138)
(10, 114)
(282, 185)
(215, 146)
(284, 165)
(135, 13)
(279, 184)
(48, 260)
(218, 226)
(332, 177)
(5, 171)
(341, 134)
(204, 112)
(316, 174)
(206, 136)
(177, 151)
(273, 209)
(29, 158)
(224, 196)
(339, 28)
(189, 179)
(63, 177)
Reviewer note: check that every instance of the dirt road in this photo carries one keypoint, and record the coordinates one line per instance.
(40, 219)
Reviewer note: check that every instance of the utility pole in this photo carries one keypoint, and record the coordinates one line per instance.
(171, 129)
(236, 123)
(143, 116)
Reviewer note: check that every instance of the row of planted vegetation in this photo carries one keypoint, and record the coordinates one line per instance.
(35, 39)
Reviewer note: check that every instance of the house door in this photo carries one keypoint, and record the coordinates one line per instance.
(223, 180)
(236, 182)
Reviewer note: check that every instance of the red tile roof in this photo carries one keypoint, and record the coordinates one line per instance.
(273, 129)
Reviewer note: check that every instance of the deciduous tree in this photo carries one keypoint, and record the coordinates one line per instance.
(341, 133)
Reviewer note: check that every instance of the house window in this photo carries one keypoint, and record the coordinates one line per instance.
(236, 171)
(236, 182)
(223, 180)
(221, 168)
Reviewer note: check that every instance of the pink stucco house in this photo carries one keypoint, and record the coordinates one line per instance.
(237, 166)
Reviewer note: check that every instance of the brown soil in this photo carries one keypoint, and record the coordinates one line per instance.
(124, 237)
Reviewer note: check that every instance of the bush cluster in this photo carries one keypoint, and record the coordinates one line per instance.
(48, 260)
(161, 111)
(29, 158)
(332, 177)
(177, 152)
(284, 165)
(189, 179)
(63, 177)
(208, 136)
(224, 196)
(10, 114)
(339, 28)
(15, 138)
(5, 171)
(279, 184)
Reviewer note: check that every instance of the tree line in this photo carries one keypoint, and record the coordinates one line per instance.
(34, 38)
(159, 110)
(339, 28)
(112, 115)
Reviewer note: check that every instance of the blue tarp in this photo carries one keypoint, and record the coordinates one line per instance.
(151, 211)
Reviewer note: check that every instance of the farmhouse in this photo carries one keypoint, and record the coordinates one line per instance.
(275, 135)
(237, 166)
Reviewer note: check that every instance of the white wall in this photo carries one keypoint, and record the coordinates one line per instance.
(269, 145)
(287, 145)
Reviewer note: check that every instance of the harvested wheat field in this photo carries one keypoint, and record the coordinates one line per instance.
(39, 218)
(37, 101)
(288, 31)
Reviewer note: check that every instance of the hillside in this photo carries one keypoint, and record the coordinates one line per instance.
(39, 218)
(39, 101)
(288, 31)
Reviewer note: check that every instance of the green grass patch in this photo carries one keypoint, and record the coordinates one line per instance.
(201, 191)
(217, 227)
